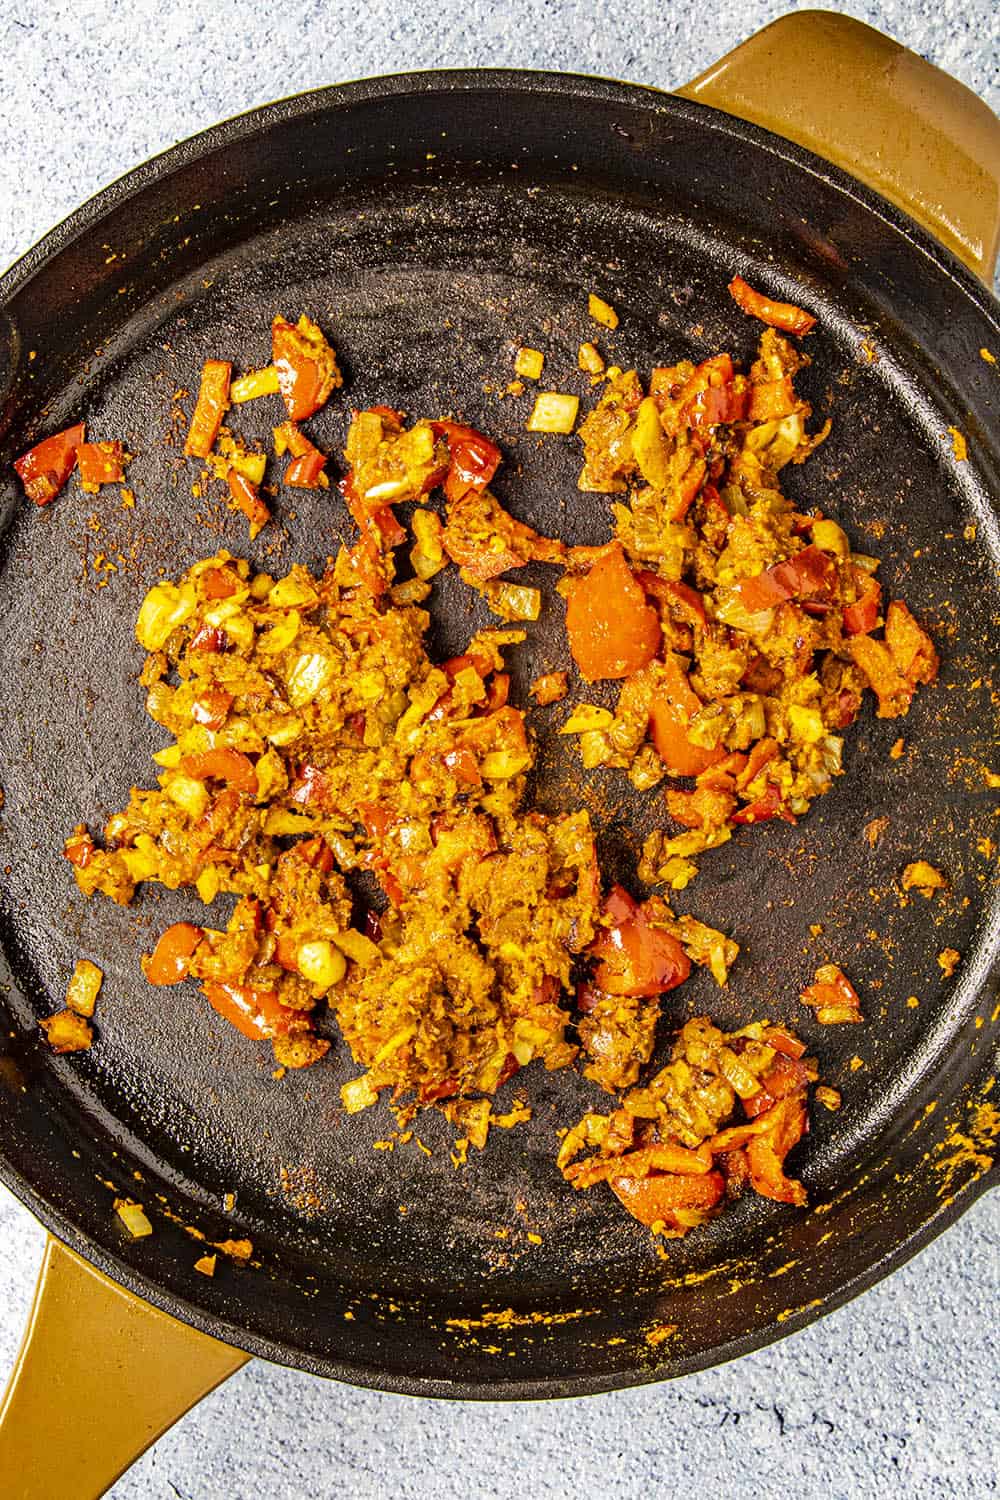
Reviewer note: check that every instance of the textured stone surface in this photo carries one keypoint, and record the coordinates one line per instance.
(893, 1395)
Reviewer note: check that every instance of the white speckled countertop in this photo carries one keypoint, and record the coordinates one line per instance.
(894, 1395)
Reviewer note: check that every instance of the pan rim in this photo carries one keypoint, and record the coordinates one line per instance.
(589, 87)
(375, 1377)
(337, 97)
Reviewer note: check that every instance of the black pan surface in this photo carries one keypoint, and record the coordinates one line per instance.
(432, 224)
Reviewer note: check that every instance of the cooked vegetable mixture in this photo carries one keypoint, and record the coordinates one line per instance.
(743, 629)
(313, 739)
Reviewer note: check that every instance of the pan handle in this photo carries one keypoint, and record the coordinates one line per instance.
(100, 1375)
(851, 95)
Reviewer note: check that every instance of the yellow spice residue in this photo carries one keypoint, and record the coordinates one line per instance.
(970, 1148)
(959, 446)
(791, 1312)
(987, 356)
(660, 1333)
(508, 1318)
(238, 1249)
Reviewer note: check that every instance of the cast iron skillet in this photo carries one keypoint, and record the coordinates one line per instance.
(431, 223)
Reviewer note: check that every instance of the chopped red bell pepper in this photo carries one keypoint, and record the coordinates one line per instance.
(170, 960)
(683, 603)
(474, 458)
(79, 848)
(45, 468)
(672, 710)
(635, 958)
(220, 583)
(311, 787)
(861, 617)
(305, 472)
(770, 805)
(762, 752)
(246, 497)
(211, 708)
(391, 533)
(306, 365)
(783, 315)
(654, 1199)
(832, 987)
(711, 395)
(612, 630)
(809, 576)
(210, 408)
(257, 1013)
(463, 765)
(317, 853)
(209, 638)
(100, 463)
(230, 766)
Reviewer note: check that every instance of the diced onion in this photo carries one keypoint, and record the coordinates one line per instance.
(310, 674)
(835, 1015)
(164, 608)
(321, 964)
(357, 947)
(595, 748)
(737, 1074)
(588, 358)
(554, 411)
(255, 383)
(412, 591)
(293, 592)
(806, 724)
(587, 716)
(601, 311)
(280, 636)
(188, 794)
(529, 362)
(831, 538)
(503, 765)
(358, 1094)
(513, 601)
(133, 1216)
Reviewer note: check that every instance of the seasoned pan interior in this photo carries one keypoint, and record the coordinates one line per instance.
(430, 232)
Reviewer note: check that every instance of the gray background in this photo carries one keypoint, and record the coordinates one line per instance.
(894, 1395)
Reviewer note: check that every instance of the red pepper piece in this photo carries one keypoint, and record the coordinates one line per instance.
(246, 497)
(210, 408)
(170, 960)
(230, 766)
(305, 472)
(474, 458)
(255, 1012)
(783, 315)
(612, 630)
(100, 463)
(45, 468)
(306, 366)
(211, 708)
(209, 638)
(635, 958)
(672, 710)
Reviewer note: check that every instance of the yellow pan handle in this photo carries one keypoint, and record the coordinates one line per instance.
(857, 98)
(100, 1375)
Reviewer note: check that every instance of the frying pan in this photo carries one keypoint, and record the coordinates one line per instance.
(431, 223)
